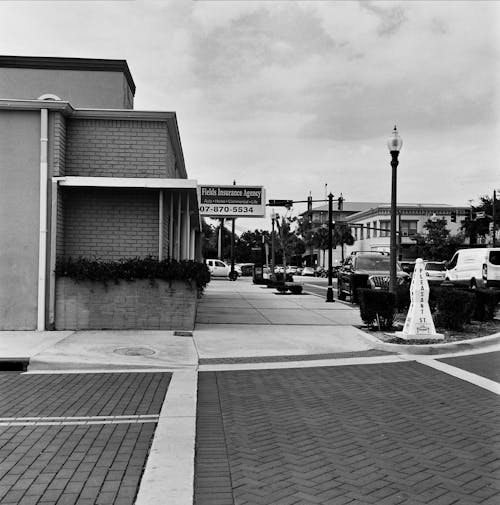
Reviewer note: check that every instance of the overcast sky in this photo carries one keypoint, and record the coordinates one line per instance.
(295, 95)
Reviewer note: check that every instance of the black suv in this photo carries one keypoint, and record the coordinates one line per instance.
(365, 270)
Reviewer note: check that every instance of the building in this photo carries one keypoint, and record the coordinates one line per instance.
(83, 174)
(370, 226)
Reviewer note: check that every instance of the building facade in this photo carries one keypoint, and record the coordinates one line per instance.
(83, 174)
(370, 226)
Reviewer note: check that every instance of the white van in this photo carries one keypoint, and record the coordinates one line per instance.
(220, 269)
(475, 268)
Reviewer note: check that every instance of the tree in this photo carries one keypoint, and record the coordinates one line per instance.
(437, 244)
(250, 244)
(290, 243)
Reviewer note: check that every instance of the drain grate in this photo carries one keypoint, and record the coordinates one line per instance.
(135, 351)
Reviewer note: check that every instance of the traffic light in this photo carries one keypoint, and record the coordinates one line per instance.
(309, 204)
(341, 202)
(453, 216)
(281, 203)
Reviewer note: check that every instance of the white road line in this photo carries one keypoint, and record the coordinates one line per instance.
(477, 380)
(169, 472)
(82, 420)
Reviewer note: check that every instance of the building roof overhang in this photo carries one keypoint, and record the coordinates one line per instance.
(59, 63)
(188, 186)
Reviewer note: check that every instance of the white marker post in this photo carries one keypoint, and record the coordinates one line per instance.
(419, 324)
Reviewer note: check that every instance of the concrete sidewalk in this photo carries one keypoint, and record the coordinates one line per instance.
(234, 320)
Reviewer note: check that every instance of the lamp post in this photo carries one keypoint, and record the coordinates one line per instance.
(494, 217)
(394, 145)
(329, 291)
(273, 261)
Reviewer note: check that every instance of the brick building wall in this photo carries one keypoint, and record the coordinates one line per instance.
(119, 148)
(110, 223)
(57, 148)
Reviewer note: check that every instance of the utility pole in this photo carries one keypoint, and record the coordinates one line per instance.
(231, 275)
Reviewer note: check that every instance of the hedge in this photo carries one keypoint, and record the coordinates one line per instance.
(130, 269)
(377, 307)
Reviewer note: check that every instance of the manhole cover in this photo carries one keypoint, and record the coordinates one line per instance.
(135, 351)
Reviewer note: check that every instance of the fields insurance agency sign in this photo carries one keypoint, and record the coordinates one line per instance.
(232, 201)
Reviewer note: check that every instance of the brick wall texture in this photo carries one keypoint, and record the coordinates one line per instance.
(58, 146)
(110, 224)
(127, 305)
(119, 148)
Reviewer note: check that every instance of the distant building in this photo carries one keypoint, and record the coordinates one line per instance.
(83, 174)
(370, 226)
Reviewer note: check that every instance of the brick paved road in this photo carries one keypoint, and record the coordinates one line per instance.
(384, 434)
(92, 461)
(485, 364)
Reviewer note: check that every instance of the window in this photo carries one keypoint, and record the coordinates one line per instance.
(495, 257)
(408, 228)
(374, 229)
(361, 232)
(368, 230)
(385, 226)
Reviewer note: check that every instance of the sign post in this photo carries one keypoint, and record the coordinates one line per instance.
(419, 324)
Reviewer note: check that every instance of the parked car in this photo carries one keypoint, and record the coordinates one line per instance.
(220, 269)
(435, 271)
(475, 268)
(308, 271)
(366, 270)
(291, 269)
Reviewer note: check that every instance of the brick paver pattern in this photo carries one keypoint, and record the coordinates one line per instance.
(384, 434)
(80, 464)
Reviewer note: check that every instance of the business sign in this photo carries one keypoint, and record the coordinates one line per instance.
(232, 201)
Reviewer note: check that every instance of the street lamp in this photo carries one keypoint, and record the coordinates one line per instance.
(394, 145)
(329, 292)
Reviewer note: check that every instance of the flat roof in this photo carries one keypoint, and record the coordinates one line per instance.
(58, 63)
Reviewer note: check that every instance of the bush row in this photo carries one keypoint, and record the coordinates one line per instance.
(129, 269)
(452, 307)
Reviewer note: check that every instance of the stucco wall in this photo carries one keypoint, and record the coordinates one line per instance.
(119, 148)
(110, 223)
(19, 221)
(88, 89)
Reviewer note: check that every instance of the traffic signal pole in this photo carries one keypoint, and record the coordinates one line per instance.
(329, 291)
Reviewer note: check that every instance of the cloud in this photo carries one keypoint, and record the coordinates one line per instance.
(390, 19)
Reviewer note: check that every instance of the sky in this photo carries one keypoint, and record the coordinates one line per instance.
(296, 95)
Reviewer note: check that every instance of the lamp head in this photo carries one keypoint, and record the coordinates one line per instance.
(395, 142)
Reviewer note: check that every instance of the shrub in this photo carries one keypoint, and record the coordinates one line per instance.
(454, 307)
(377, 307)
(486, 301)
(129, 269)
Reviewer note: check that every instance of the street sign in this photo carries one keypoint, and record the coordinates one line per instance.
(280, 203)
(232, 201)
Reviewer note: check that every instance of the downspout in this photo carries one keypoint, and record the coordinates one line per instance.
(42, 248)
(160, 225)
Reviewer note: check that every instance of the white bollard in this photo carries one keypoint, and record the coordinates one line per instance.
(419, 324)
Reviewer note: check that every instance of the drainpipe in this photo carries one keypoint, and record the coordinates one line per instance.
(42, 249)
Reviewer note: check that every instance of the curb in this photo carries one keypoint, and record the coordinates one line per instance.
(430, 349)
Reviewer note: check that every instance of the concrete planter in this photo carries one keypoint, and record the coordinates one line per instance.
(87, 305)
